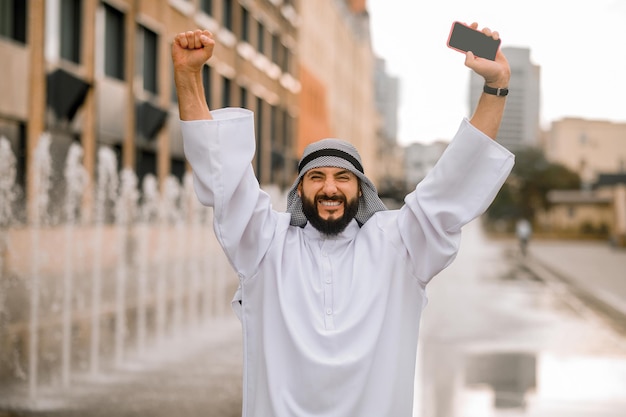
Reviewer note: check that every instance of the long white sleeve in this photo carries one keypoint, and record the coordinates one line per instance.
(458, 189)
(220, 152)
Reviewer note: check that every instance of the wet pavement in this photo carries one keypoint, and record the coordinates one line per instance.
(501, 336)
(594, 271)
(501, 339)
(198, 375)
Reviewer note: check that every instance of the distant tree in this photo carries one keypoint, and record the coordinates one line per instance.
(526, 189)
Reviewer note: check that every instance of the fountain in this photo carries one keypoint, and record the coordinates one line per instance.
(125, 209)
(105, 192)
(75, 179)
(8, 195)
(119, 274)
(148, 212)
(43, 171)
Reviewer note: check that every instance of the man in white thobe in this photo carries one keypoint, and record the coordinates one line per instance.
(331, 292)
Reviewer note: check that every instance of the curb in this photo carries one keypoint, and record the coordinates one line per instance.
(597, 300)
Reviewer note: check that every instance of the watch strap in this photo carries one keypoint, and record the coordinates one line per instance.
(500, 92)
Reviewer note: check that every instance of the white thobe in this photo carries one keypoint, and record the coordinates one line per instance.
(330, 324)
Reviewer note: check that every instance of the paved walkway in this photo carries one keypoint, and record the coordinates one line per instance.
(199, 375)
(594, 270)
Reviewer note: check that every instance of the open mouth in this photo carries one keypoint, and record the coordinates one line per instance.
(332, 207)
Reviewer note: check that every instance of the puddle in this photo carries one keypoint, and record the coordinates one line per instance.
(510, 376)
(544, 384)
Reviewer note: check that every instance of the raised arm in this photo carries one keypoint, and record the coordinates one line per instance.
(190, 50)
(490, 108)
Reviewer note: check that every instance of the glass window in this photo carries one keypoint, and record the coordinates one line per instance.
(71, 30)
(245, 25)
(114, 43)
(276, 48)
(260, 37)
(207, 6)
(243, 97)
(228, 15)
(206, 80)
(13, 19)
(286, 59)
(226, 84)
(150, 60)
(259, 137)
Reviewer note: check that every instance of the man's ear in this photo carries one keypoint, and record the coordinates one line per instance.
(299, 189)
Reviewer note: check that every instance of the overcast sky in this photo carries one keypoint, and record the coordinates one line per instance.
(580, 46)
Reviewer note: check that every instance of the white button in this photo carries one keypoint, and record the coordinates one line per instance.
(324, 254)
(329, 311)
(328, 280)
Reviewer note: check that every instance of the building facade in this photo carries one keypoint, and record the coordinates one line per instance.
(596, 150)
(588, 147)
(420, 159)
(98, 72)
(392, 177)
(337, 67)
(520, 125)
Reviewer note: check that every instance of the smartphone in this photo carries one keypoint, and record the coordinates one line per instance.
(464, 38)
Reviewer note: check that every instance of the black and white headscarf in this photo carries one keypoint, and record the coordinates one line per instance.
(340, 154)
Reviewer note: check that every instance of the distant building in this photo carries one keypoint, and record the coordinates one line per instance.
(596, 150)
(336, 72)
(588, 147)
(387, 101)
(577, 213)
(100, 73)
(390, 166)
(520, 125)
(420, 159)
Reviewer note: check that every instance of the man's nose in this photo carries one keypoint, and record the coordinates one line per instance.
(330, 186)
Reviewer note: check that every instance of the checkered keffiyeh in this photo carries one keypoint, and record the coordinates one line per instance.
(340, 154)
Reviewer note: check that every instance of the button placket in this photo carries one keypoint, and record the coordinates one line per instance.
(328, 288)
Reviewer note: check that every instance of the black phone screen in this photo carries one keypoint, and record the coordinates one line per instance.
(464, 38)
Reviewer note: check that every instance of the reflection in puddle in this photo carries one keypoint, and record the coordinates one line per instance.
(510, 376)
(522, 384)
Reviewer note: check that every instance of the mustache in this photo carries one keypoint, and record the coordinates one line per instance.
(330, 198)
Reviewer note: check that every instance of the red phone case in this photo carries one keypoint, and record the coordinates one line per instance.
(467, 39)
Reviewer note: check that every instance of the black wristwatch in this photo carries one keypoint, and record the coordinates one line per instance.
(500, 92)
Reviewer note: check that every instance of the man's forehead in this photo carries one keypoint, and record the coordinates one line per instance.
(330, 170)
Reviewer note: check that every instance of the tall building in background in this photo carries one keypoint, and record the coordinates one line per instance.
(99, 72)
(420, 159)
(387, 99)
(392, 178)
(336, 73)
(520, 125)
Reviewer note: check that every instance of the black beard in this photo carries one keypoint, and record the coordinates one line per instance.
(330, 227)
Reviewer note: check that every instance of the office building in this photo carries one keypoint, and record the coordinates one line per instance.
(520, 126)
(98, 72)
(337, 67)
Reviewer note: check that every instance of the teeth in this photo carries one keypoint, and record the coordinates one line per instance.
(330, 203)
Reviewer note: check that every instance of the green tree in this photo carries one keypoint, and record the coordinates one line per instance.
(525, 191)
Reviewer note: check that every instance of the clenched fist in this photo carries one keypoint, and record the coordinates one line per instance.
(191, 49)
